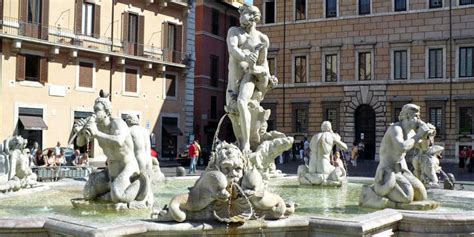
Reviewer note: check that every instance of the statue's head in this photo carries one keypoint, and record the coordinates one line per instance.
(249, 15)
(132, 120)
(102, 108)
(230, 161)
(326, 126)
(410, 113)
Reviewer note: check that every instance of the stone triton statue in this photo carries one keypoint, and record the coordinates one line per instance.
(321, 171)
(394, 184)
(125, 183)
(15, 171)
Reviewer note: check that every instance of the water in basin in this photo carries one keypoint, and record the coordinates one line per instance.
(313, 201)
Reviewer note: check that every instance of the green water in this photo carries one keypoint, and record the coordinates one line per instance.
(312, 201)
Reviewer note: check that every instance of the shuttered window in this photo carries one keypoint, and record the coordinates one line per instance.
(31, 68)
(171, 89)
(86, 71)
(131, 80)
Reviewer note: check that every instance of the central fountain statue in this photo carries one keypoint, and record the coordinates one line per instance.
(395, 186)
(233, 187)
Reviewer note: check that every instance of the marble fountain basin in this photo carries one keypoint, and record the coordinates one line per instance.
(321, 211)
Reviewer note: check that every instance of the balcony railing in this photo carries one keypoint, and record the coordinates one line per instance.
(67, 37)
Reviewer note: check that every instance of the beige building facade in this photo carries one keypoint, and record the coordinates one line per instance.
(356, 63)
(58, 54)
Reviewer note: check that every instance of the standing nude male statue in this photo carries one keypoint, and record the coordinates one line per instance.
(248, 70)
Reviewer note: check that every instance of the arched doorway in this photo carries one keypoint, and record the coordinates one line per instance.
(364, 119)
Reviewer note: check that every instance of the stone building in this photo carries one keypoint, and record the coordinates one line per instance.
(355, 63)
(56, 55)
(213, 19)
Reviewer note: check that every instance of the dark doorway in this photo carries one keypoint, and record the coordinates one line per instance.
(365, 131)
(169, 137)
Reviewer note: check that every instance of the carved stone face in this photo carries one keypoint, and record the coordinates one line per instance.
(232, 167)
(100, 112)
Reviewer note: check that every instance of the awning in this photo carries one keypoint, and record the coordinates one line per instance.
(172, 130)
(33, 123)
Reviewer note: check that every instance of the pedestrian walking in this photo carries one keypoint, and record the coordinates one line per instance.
(192, 153)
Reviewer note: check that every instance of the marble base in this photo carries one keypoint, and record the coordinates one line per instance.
(81, 203)
(370, 199)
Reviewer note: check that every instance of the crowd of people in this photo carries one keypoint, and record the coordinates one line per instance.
(56, 157)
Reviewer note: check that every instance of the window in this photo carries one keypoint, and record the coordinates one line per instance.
(466, 2)
(215, 22)
(300, 10)
(466, 120)
(300, 69)
(132, 28)
(400, 64)
(436, 3)
(271, 66)
(88, 19)
(170, 87)
(34, 11)
(364, 7)
(214, 70)
(435, 63)
(32, 68)
(131, 80)
(213, 114)
(466, 59)
(269, 11)
(330, 72)
(400, 5)
(300, 112)
(331, 8)
(435, 117)
(86, 71)
(365, 66)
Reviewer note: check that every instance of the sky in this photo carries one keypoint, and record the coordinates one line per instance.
(250, 2)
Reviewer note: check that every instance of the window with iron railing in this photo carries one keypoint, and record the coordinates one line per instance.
(331, 8)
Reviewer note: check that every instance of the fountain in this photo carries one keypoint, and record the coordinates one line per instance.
(235, 195)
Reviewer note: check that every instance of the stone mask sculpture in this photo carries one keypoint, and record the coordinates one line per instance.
(125, 183)
(394, 184)
(233, 187)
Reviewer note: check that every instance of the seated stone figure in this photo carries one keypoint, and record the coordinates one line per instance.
(229, 191)
(394, 184)
(320, 171)
(126, 180)
(15, 171)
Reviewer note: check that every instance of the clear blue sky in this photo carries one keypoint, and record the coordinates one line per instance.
(250, 2)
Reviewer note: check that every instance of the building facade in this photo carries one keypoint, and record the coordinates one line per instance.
(356, 63)
(58, 54)
(213, 19)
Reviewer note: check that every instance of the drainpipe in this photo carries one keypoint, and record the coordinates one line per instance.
(111, 50)
(284, 62)
(450, 50)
